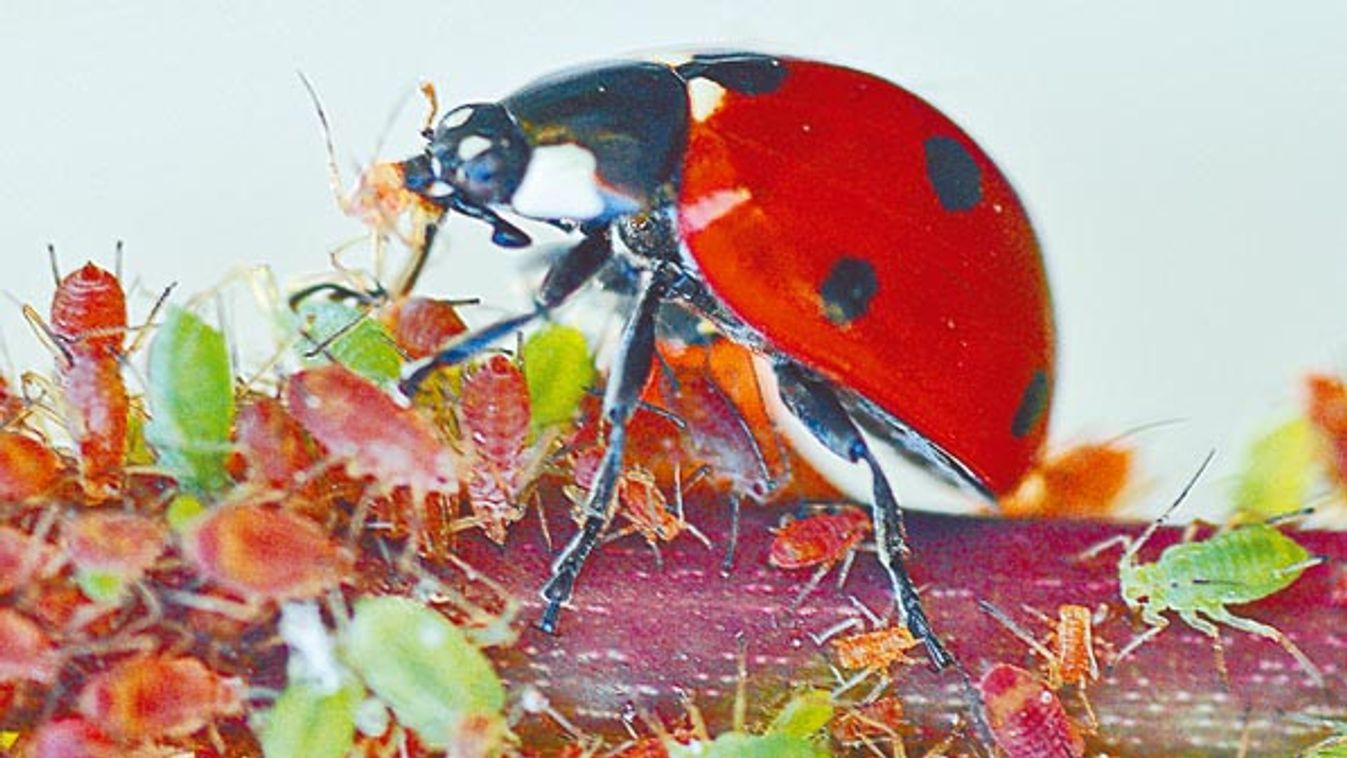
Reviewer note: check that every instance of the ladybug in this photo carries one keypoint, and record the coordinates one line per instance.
(822, 216)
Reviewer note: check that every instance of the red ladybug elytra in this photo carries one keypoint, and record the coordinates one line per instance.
(823, 216)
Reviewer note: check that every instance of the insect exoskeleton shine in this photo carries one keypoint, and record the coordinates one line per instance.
(817, 214)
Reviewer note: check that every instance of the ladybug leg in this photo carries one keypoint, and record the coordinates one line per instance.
(621, 398)
(812, 401)
(568, 274)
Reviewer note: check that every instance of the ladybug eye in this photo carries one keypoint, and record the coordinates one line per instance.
(479, 177)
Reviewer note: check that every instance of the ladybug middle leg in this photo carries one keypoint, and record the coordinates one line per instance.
(811, 400)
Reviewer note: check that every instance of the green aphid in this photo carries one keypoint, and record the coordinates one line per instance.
(191, 401)
(308, 721)
(559, 370)
(804, 715)
(792, 733)
(1197, 580)
(350, 337)
(102, 587)
(436, 681)
(1278, 469)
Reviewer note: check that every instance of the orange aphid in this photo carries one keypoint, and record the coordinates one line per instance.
(97, 408)
(879, 718)
(1083, 481)
(272, 443)
(876, 649)
(125, 544)
(156, 697)
(1025, 716)
(818, 539)
(262, 553)
(28, 468)
(362, 427)
(1327, 410)
(26, 652)
(1075, 661)
(421, 325)
(88, 312)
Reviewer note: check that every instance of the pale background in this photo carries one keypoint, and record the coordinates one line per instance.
(1184, 162)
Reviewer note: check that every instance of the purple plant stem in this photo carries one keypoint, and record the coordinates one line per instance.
(637, 635)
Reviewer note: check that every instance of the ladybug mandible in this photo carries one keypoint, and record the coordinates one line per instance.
(824, 217)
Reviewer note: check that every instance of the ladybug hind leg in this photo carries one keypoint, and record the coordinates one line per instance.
(811, 400)
(621, 398)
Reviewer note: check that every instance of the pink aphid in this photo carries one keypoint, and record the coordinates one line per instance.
(28, 468)
(119, 543)
(272, 443)
(156, 697)
(821, 539)
(97, 409)
(361, 425)
(1025, 716)
(719, 437)
(88, 312)
(71, 738)
(26, 652)
(494, 414)
(21, 556)
(264, 554)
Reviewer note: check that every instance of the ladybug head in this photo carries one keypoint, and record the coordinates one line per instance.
(477, 153)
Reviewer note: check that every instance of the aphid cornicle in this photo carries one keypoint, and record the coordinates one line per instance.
(825, 217)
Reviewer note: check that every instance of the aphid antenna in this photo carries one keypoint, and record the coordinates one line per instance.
(144, 329)
(834, 630)
(1290, 517)
(117, 259)
(1145, 427)
(50, 339)
(333, 172)
(1014, 628)
(55, 266)
(1129, 555)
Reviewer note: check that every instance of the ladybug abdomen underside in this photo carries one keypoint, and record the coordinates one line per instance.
(863, 233)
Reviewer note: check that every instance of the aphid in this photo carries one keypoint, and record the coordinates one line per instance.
(26, 652)
(1198, 580)
(1071, 658)
(191, 399)
(421, 325)
(716, 190)
(112, 549)
(881, 717)
(21, 557)
(874, 650)
(88, 312)
(157, 696)
(352, 338)
(28, 468)
(72, 737)
(494, 416)
(1326, 406)
(559, 370)
(1025, 716)
(426, 669)
(361, 426)
(264, 554)
(820, 539)
(1278, 469)
(273, 443)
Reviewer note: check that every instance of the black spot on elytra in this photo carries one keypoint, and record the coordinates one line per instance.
(848, 290)
(953, 173)
(1033, 403)
(744, 73)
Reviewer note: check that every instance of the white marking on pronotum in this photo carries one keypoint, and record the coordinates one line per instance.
(559, 183)
(705, 98)
(708, 208)
(472, 146)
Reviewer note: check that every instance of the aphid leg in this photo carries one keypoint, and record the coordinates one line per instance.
(568, 274)
(814, 580)
(1223, 616)
(1191, 618)
(813, 402)
(1014, 628)
(1139, 640)
(1091, 552)
(875, 621)
(834, 630)
(631, 367)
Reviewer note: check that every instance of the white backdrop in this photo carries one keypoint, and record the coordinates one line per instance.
(1184, 162)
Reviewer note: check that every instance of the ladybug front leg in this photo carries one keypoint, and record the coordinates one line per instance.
(631, 369)
(567, 274)
(811, 400)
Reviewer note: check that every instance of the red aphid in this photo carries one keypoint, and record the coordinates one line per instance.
(72, 738)
(88, 313)
(26, 652)
(97, 409)
(21, 556)
(157, 697)
(818, 539)
(361, 426)
(1025, 716)
(124, 544)
(264, 554)
(28, 468)
(1084, 481)
(273, 443)
(494, 414)
(1327, 410)
(879, 718)
(421, 325)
